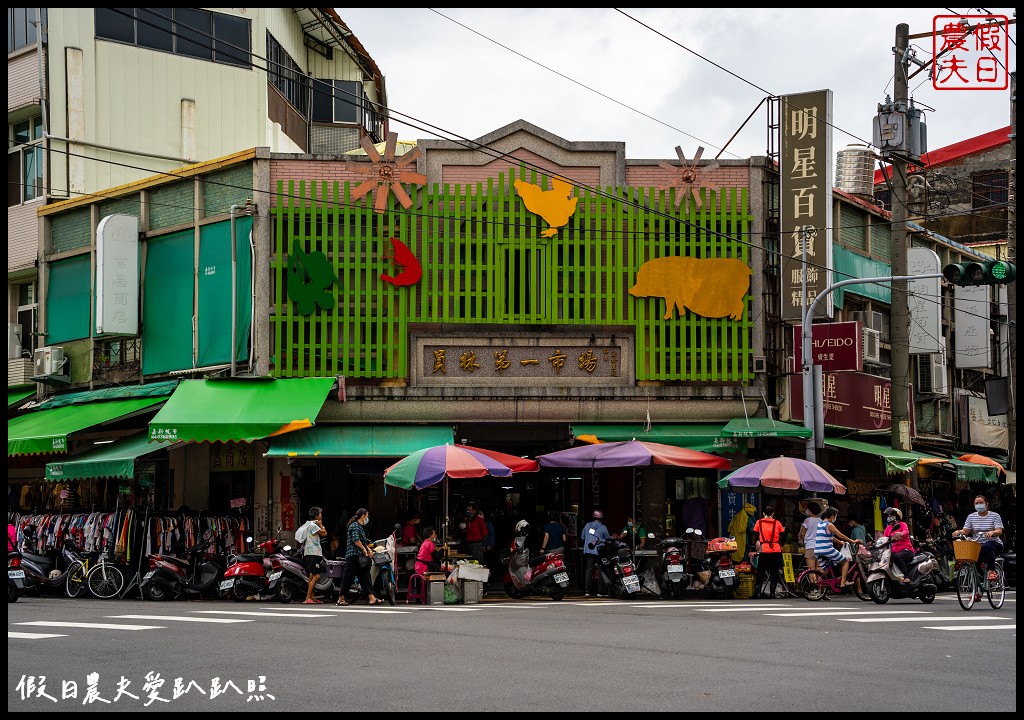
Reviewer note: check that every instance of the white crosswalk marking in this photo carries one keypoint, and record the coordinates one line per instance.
(182, 618)
(972, 627)
(817, 613)
(339, 610)
(262, 614)
(918, 619)
(95, 626)
(30, 636)
(753, 608)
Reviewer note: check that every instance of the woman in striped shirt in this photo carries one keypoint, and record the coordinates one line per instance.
(824, 544)
(987, 527)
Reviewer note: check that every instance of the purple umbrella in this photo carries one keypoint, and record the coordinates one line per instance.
(783, 473)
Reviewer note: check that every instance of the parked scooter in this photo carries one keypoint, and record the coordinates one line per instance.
(251, 574)
(294, 581)
(672, 576)
(170, 577)
(942, 575)
(885, 579)
(696, 548)
(615, 563)
(722, 581)
(541, 575)
(60, 570)
(15, 576)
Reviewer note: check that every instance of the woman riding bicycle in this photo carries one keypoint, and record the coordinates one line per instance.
(824, 545)
(987, 527)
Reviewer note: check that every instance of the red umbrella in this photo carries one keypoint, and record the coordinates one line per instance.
(516, 463)
(631, 453)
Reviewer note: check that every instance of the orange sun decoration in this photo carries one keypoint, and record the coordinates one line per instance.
(689, 180)
(385, 173)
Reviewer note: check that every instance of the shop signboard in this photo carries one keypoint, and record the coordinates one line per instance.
(805, 201)
(226, 457)
(835, 346)
(851, 400)
(731, 503)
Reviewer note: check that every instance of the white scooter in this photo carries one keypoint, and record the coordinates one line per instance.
(885, 580)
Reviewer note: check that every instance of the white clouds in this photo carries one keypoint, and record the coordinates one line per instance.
(442, 74)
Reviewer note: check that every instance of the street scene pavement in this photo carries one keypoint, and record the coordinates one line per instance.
(498, 655)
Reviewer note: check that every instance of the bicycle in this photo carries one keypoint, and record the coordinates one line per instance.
(819, 583)
(782, 589)
(971, 580)
(105, 579)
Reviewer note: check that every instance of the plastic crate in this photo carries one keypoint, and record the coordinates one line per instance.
(472, 591)
(473, 572)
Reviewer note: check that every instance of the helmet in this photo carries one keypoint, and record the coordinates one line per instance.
(894, 512)
(598, 515)
(522, 526)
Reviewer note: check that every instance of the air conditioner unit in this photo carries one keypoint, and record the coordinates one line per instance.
(48, 361)
(870, 320)
(931, 372)
(872, 346)
(13, 341)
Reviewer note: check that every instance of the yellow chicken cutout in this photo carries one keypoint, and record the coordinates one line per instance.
(554, 205)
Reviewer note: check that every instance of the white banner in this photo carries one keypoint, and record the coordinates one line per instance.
(986, 430)
(117, 275)
(971, 315)
(924, 301)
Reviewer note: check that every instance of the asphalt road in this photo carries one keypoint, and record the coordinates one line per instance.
(538, 655)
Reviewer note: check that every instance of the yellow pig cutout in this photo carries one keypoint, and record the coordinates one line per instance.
(710, 287)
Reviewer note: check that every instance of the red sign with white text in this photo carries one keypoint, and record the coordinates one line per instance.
(851, 400)
(971, 52)
(835, 346)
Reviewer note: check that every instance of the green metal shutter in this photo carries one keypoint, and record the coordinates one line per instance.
(67, 300)
(214, 321)
(167, 304)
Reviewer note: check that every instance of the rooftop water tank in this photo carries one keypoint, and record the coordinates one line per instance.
(855, 170)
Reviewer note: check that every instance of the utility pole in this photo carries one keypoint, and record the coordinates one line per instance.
(899, 327)
(1011, 289)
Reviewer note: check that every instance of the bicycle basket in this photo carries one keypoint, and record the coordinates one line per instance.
(381, 558)
(966, 550)
(698, 549)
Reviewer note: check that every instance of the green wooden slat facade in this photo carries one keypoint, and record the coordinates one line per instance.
(484, 261)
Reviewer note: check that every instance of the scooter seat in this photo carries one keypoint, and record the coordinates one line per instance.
(918, 558)
(38, 559)
(248, 557)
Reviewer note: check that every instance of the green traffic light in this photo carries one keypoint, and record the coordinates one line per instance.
(987, 272)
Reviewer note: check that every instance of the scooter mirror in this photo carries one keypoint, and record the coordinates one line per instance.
(287, 548)
(698, 532)
(590, 546)
(650, 535)
(249, 539)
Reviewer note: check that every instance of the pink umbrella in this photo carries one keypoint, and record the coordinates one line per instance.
(783, 473)
(630, 453)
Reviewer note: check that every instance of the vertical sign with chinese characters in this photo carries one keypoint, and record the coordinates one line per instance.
(805, 201)
(972, 345)
(972, 52)
(117, 275)
(924, 301)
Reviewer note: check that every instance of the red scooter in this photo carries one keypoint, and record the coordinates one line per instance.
(170, 577)
(542, 575)
(251, 574)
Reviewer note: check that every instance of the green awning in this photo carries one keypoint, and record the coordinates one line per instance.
(896, 461)
(46, 431)
(975, 472)
(705, 438)
(114, 460)
(16, 394)
(360, 441)
(239, 409)
(763, 427)
(118, 392)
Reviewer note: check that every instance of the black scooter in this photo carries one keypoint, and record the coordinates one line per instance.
(615, 563)
(60, 570)
(672, 576)
(15, 576)
(170, 577)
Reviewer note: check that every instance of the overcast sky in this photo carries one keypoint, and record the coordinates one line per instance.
(599, 75)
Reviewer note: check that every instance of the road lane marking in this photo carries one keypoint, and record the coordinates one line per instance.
(260, 614)
(451, 609)
(182, 618)
(97, 626)
(30, 636)
(335, 609)
(813, 613)
(751, 608)
(917, 619)
(971, 627)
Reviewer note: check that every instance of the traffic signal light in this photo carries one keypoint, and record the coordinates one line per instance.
(985, 272)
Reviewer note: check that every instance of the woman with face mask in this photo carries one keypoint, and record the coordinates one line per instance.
(987, 528)
(899, 534)
(357, 548)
